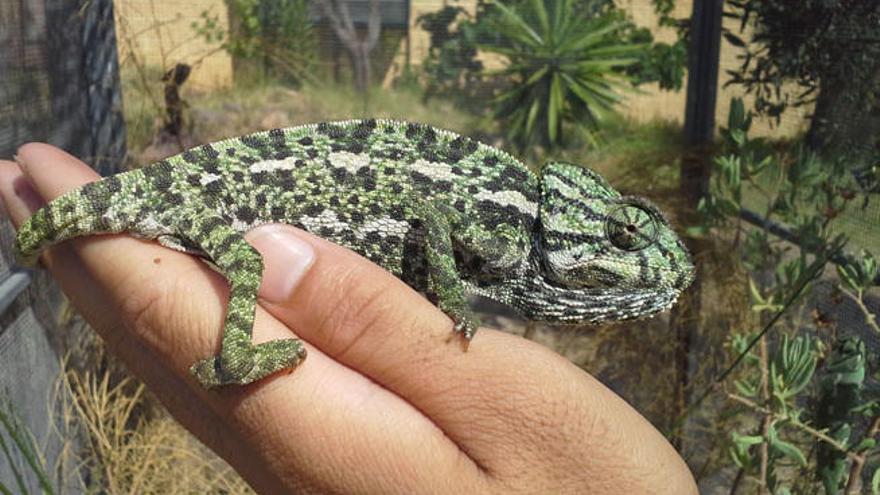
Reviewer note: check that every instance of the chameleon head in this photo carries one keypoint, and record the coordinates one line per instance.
(594, 238)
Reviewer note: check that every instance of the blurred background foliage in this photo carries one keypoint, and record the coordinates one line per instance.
(765, 377)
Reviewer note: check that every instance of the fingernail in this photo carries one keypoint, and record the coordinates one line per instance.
(20, 161)
(286, 260)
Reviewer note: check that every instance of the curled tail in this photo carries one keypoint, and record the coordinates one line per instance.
(82, 211)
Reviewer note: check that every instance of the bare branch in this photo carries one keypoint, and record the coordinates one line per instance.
(854, 482)
(347, 36)
(374, 24)
(345, 13)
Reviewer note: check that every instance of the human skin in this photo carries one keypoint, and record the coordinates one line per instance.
(388, 401)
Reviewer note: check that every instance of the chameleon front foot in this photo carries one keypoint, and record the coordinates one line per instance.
(465, 324)
(253, 362)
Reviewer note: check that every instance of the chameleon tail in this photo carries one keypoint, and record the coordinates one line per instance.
(79, 212)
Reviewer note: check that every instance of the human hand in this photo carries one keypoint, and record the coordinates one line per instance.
(386, 402)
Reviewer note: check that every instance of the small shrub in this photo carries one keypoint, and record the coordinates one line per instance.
(564, 67)
(804, 421)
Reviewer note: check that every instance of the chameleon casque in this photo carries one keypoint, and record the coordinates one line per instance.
(446, 214)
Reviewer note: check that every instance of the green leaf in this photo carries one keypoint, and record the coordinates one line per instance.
(554, 108)
(738, 136)
(858, 273)
(537, 75)
(533, 113)
(785, 448)
(866, 444)
(737, 113)
(745, 388)
(734, 40)
(697, 231)
(593, 38)
(526, 34)
(747, 440)
(601, 64)
(792, 366)
(739, 449)
(539, 8)
(757, 297)
(875, 482)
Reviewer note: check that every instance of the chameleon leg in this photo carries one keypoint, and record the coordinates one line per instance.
(504, 250)
(443, 277)
(239, 361)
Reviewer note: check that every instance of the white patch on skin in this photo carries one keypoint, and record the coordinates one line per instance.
(385, 226)
(433, 170)
(327, 218)
(240, 225)
(349, 161)
(116, 218)
(150, 228)
(208, 178)
(270, 165)
(509, 198)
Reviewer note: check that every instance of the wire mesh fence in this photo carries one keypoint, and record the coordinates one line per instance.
(195, 72)
(59, 83)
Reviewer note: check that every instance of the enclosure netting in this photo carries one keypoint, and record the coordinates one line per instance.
(59, 83)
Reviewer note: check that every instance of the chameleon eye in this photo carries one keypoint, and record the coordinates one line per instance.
(630, 227)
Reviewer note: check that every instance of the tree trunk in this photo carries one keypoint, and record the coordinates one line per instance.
(846, 119)
(339, 16)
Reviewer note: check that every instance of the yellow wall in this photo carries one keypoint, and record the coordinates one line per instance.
(666, 105)
(649, 103)
(158, 34)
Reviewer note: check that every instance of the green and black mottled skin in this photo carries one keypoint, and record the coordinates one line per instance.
(446, 214)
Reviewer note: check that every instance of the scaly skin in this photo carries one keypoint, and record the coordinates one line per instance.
(444, 213)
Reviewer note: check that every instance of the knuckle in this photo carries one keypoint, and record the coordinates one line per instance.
(154, 308)
(361, 312)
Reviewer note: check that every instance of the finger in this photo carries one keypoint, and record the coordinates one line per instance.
(160, 310)
(26, 200)
(51, 171)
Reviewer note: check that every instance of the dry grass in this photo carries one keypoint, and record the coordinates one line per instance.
(119, 439)
(131, 445)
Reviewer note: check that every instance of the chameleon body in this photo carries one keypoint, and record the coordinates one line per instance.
(446, 214)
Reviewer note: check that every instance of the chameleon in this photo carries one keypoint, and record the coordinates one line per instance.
(450, 216)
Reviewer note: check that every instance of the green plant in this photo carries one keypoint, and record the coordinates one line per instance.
(16, 437)
(281, 33)
(804, 421)
(563, 67)
(451, 66)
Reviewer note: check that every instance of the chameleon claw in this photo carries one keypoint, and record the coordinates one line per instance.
(465, 325)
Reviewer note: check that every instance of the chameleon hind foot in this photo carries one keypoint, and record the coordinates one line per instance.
(251, 363)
